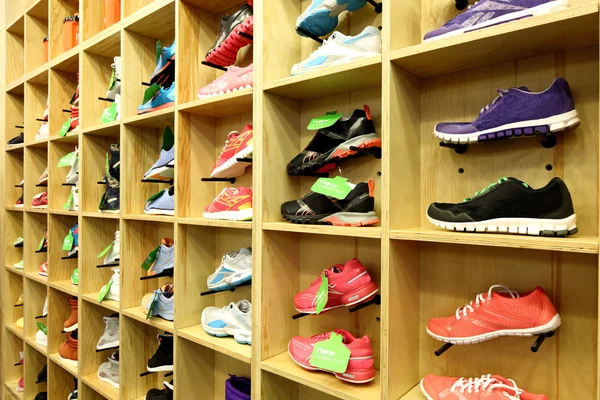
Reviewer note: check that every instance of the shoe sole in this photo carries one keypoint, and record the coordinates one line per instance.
(165, 173)
(241, 339)
(424, 391)
(226, 54)
(242, 215)
(223, 285)
(116, 385)
(155, 211)
(72, 363)
(108, 346)
(164, 368)
(522, 226)
(345, 60)
(368, 297)
(110, 211)
(551, 326)
(40, 207)
(161, 107)
(227, 91)
(233, 168)
(71, 328)
(337, 219)
(541, 127)
(324, 20)
(43, 274)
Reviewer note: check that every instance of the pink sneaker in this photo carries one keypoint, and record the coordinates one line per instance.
(488, 387)
(360, 368)
(20, 386)
(234, 79)
(238, 145)
(43, 271)
(231, 204)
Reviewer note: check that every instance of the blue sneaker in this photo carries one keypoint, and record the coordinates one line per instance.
(162, 203)
(235, 269)
(321, 17)
(166, 58)
(165, 259)
(164, 304)
(162, 99)
(75, 232)
(232, 320)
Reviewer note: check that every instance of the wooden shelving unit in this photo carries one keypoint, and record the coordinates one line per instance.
(422, 271)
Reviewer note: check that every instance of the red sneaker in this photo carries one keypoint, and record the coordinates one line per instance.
(40, 200)
(360, 368)
(231, 204)
(237, 145)
(43, 270)
(349, 284)
(497, 314)
(488, 387)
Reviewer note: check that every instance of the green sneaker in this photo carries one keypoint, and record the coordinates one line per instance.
(75, 277)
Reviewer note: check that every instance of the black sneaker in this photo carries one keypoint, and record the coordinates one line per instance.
(314, 208)
(111, 199)
(75, 392)
(41, 396)
(164, 394)
(236, 32)
(511, 206)
(162, 360)
(17, 139)
(114, 161)
(330, 146)
(43, 375)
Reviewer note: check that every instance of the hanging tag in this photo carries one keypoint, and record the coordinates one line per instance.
(65, 128)
(42, 328)
(109, 114)
(155, 196)
(322, 294)
(333, 187)
(158, 51)
(151, 306)
(67, 205)
(41, 244)
(68, 242)
(106, 165)
(68, 160)
(112, 80)
(150, 259)
(325, 121)
(106, 250)
(331, 354)
(104, 291)
(150, 92)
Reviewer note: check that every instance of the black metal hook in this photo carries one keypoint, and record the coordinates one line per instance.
(209, 64)
(67, 111)
(459, 148)
(146, 373)
(374, 300)
(105, 99)
(109, 348)
(302, 32)
(146, 84)
(244, 159)
(230, 180)
(168, 273)
(115, 264)
(41, 316)
(170, 181)
(69, 184)
(462, 4)
(209, 292)
(71, 257)
(378, 6)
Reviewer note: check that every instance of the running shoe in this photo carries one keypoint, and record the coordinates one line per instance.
(45, 308)
(43, 270)
(360, 367)
(348, 285)
(44, 247)
(75, 277)
(75, 233)
(235, 269)
(111, 199)
(236, 32)
(234, 79)
(114, 86)
(114, 162)
(109, 370)
(19, 323)
(18, 265)
(67, 351)
(17, 140)
(114, 286)
(516, 113)
(510, 206)
(238, 388)
(161, 203)
(110, 337)
(356, 209)
(71, 323)
(234, 320)
(488, 387)
(164, 264)
(499, 312)
(163, 98)
(43, 179)
(164, 168)
(331, 145)
(73, 175)
(237, 145)
(321, 17)
(40, 200)
(19, 202)
(161, 303)
(157, 394)
(166, 58)
(41, 336)
(20, 301)
(231, 204)
(340, 49)
(114, 254)
(19, 242)
(486, 13)
(20, 385)
(43, 132)
(74, 206)
(162, 360)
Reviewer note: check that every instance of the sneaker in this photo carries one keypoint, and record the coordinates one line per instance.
(321, 17)
(74, 206)
(360, 367)
(486, 13)
(45, 308)
(73, 175)
(67, 351)
(515, 113)
(510, 206)
(43, 270)
(232, 320)
(161, 203)
(494, 314)
(71, 323)
(110, 337)
(341, 49)
(237, 388)
(75, 246)
(41, 396)
(164, 264)
(43, 180)
(74, 393)
(356, 209)
(488, 387)
(114, 292)
(235, 269)
(162, 360)
(114, 86)
(164, 98)
(19, 202)
(20, 385)
(111, 199)
(41, 337)
(231, 204)
(75, 277)
(161, 303)
(43, 132)
(109, 371)
(75, 108)
(18, 265)
(234, 79)
(237, 145)
(114, 254)
(331, 146)
(230, 39)
(164, 394)
(19, 242)
(43, 375)
(114, 162)
(44, 247)
(163, 169)
(40, 200)
(19, 301)
(19, 323)
(17, 140)
(166, 58)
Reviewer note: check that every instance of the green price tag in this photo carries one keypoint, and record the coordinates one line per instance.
(65, 127)
(150, 259)
(158, 50)
(67, 205)
(104, 291)
(42, 327)
(325, 121)
(151, 306)
(331, 354)
(41, 244)
(67, 160)
(68, 242)
(332, 187)
(150, 92)
(155, 196)
(322, 294)
(109, 114)
(106, 250)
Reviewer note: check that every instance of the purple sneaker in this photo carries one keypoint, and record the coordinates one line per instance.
(516, 112)
(237, 388)
(493, 12)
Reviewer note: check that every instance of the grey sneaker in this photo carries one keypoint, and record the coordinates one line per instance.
(163, 168)
(111, 199)
(165, 259)
(163, 299)
(109, 372)
(110, 337)
(162, 203)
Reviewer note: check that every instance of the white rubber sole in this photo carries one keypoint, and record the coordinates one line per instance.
(205, 96)
(154, 211)
(233, 168)
(231, 280)
(423, 390)
(242, 215)
(71, 328)
(164, 171)
(240, 336)
(108, 346)
(39, 207)
(163, 368)
(553, 325)
(42, 343)
(72, 363)
(110, 211)
(345, 60)
(116, 385)
(521, 226)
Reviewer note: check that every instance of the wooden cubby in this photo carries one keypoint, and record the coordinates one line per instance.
(58, 191)
(36, 28)
(64, 83)
(12, 345)
(59, 9)
(36, 361)
(15, 51)
(36, 95)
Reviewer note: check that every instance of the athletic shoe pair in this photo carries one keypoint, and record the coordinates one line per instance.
(234, 79)
(234, 320)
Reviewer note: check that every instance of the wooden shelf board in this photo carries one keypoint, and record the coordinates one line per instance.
(19, 147)
(227, 346)
(100, 215)
(215, 6)
(137, 314)
(38, 143)
(106, 43)
(38, 75)
(17, 26)
(572, 28)
(31, 341)
(156, 119)
(350, 77)
(13, 208)
(103, 388)
(149, 217)
(66, 286)
(67, 61)
(38, 9)
(34, 276)
(364, 231)
(414, 394)
(153, 21)
(11, 326)
(221, 105)
(70, 369)
(111, 129)
(11, 388)
(36, 210)
(108, 304)
(13, 270)
(573, 244)
(216, 223)
(16, 86)
(64, 212)
(284, 366)
(71, 137)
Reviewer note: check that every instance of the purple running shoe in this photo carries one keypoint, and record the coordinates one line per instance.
(237, 388)
(516, 112)
(486, 13)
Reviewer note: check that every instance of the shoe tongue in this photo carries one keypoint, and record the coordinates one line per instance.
(244, 306)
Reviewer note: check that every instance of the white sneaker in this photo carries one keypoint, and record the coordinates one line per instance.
(43, 132)
(235, 269)
(115, 288)
(232, 320)
(339, 49)
(75, 203)
(73, 175)
(114, 253)
(41, 338)
(45, 309)
(115, 87)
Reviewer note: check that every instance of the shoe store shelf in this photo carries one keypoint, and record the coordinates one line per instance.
(237, 102)
(31, 341)
(109, 129)
(14, 270)
(100, 215)
(14, 329)
(149, 217)
(71, 137)
(16, 147)
(10, 388)
(227, 346)
(67, 367)
(363, 232)
(153, 119)
(34, 276)
(215, 223)
(138, 314)
(109, 304)
(108, 391)
(65, 286)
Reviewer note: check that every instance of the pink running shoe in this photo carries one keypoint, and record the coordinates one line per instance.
(43, 271)
(231, 204)
(360, 368)
(234, 79)
(20, 385)
(349, 284)
(494, 314)
(238, 145)
(488, 387)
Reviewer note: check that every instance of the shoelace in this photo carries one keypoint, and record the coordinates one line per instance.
(486, 382)
(484, 190)
(482, 298)
(501, 93)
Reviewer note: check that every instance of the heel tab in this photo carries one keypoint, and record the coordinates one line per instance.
(367, 111)
(371, 184)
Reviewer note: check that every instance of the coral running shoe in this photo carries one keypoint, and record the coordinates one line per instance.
(494, 314)
(19, 202)
(234, 79)
(236, 32)
(237, 145)
(360, 367)
(40, 200)
(321, 17)
(488, 387)
(231, 204)
(349, 284)
(43, 270)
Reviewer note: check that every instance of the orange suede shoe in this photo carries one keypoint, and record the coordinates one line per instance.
(71, 323)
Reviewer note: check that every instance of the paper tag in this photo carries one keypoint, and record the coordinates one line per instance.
(168, 139)
(325, 121)
(65, 127)
(150, 259)
(104, 291)
(333, 187)
(158, 51)
(322, 294)
(155, 196)
(41, 244)
(67, 160)
(106, 249)
(67, 205)
(150, 92)
(42, 327)
(331, 354)
(109, 114)
(151, 306)
(68, 242)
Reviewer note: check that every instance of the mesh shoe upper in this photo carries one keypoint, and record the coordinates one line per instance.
(358, 200)
(229, 22)
(235, 78)
(163, 357)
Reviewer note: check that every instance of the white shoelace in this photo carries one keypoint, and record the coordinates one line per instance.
(486, 382)
(501, 93)
(482, 298)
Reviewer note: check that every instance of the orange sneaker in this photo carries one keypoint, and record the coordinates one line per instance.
(494, 314)
(71, 323)
(231, 204)
(238, 145)
(67, 351)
